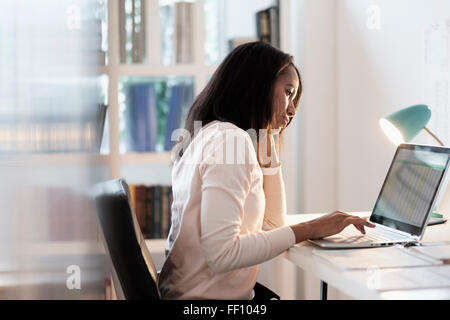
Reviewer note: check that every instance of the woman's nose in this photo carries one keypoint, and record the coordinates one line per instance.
(291, 110)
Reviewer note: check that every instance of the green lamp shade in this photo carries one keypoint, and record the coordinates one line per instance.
(403, 125)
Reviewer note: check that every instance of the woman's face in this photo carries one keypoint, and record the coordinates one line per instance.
(285, 91)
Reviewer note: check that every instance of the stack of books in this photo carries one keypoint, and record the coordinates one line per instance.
(132, 31)
(54, 133)
(177, 25)
(56, 214)
(141, 117)
(152, 206)
(183, 32)
(268, 26)
(152, 112)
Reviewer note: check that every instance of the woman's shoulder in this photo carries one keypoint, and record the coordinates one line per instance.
(222, 129)
(225, 139)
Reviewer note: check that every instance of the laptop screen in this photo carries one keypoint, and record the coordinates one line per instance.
(410, 187)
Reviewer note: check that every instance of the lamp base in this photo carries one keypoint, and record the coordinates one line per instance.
(436, 218)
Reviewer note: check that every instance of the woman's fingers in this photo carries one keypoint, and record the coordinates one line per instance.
(368, 224)
(359, 223)
(360, 228)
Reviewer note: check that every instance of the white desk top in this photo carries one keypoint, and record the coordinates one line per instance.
(344, 280)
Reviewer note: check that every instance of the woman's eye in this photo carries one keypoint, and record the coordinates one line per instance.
(288, 93)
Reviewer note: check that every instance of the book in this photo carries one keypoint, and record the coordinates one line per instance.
(134, 32)
(263, 25)
(148, 232)
(274, 26)
(132, 199)
(181, 99)
(156, 230)
(183, 32)
(153, 209)
(132, 47)
(170, 206)
(139, 104)
(130, 136)
(164, 211)
(138, 31)
(122, 32)
(140, 206)
(187, 100)
(174, 115)
(100, 126)
(152, 120)
(141, 133)
(167, 26)
(268, 26)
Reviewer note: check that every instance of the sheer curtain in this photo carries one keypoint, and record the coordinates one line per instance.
(49, 56)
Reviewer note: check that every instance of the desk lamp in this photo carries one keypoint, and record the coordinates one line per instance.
(403, 125)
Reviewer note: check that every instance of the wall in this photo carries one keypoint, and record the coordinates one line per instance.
(353, 74)
(378, 72)
(315, 54)
(309, 147)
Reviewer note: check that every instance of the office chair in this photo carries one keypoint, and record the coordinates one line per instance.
(134, 274)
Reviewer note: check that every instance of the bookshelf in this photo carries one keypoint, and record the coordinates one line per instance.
(152, 168)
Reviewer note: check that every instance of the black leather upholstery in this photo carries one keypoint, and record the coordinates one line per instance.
(124, 242)
(263, 293)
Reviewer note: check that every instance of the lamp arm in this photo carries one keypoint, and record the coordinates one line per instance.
(434, 136)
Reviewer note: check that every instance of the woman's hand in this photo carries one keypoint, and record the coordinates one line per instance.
(268, 150)
(328, 225)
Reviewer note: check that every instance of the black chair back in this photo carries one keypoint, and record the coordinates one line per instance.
(124, 242)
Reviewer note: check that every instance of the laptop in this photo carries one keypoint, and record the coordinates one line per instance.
(405, 202)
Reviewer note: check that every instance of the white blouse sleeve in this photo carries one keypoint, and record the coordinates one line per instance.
(274, 191)
(224, 190)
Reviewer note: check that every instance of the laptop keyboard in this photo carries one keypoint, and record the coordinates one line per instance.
(372, 235)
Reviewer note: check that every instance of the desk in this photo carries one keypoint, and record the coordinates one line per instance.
(302, 256)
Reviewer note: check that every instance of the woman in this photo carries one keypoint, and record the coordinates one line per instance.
(228, 211)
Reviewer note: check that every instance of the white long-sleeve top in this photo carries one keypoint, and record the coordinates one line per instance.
(227, 217)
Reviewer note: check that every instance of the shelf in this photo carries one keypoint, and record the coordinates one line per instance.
(89, 159)
(146, 158)
(58, 158)
(104, 70)
(159, 70)
(50, 248)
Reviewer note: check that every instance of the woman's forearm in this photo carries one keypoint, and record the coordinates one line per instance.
(274, 190)
(275, 210)
(302, 231)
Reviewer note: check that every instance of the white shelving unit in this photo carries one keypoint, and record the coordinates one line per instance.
(114, 70)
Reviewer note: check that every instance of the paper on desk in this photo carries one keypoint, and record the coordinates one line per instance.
(436, 252)
(405, 278)
(388, 257)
